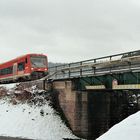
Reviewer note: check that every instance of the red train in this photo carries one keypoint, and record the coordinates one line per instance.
(27, 67)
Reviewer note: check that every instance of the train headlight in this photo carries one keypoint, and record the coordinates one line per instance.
(32, 68)
(46, 69)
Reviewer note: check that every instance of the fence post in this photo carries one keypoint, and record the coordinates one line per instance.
(69, 71)
(81, 69)
(56, 72)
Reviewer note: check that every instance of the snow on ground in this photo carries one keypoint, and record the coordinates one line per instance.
(128, 129)
(31, 121)
(9, 86)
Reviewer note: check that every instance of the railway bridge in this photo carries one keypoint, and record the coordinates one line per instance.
(113, 72)
(95, 94)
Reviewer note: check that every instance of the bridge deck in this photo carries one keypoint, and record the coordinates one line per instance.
(109, 65)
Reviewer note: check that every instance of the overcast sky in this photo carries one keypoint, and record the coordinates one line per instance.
(68, 30)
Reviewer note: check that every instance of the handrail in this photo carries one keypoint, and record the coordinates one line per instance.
(94, 66)
(94, 59)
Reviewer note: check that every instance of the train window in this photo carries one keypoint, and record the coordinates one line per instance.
(21, 66)
(39, 61)
(9, 70)
(5, 71)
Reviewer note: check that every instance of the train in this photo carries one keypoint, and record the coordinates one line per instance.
(24, 68)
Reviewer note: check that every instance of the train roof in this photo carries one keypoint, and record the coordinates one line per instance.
(19, 57)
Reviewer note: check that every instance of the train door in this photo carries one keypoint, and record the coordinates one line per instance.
(14, 69)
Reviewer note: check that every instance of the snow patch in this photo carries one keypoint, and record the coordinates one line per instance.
(128, 129)
(32, 122)
(9, 86)
(32, 119)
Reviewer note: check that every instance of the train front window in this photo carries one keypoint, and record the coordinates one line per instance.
(38, 61)
(21, 66)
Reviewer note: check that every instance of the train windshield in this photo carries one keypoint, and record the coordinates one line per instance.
(39, 61)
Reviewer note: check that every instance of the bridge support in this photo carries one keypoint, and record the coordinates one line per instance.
(91, 112)
(74, 105)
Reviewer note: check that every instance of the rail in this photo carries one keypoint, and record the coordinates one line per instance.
(99, 66)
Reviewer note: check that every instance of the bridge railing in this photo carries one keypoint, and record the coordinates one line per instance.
(102, 65)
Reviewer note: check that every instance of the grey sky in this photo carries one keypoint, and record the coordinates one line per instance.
(68, 30)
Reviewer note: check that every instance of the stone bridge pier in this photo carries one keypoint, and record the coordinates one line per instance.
(86, 113)
(74, 105)
(91, 113)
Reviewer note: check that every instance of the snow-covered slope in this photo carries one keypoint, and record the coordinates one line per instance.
(128, 129)
(39, 122)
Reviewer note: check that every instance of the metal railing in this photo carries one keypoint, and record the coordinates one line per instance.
(99, 66)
